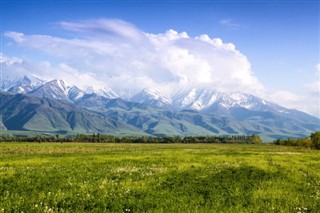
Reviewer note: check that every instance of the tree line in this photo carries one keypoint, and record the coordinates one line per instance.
(100, 138)
(309, 142)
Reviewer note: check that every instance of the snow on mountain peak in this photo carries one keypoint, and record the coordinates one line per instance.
(156, 95)
(21, 85)
(105, 92)
(57, 88)
(175, 95)
(151, 97)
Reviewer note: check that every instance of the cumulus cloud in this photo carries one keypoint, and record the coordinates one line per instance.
(123, 57)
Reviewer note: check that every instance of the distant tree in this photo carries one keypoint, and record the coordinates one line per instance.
(315, 139)
(255, 139)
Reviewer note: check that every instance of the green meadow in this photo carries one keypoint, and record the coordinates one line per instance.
(84, 177)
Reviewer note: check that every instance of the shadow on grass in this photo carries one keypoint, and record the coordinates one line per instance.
(230, 187)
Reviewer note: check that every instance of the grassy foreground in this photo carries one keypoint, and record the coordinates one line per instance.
(53, 177)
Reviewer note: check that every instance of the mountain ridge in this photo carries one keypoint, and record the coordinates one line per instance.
(199, 99)
(187, 112)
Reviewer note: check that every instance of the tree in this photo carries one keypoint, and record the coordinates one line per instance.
(315, 139)
(255, 139)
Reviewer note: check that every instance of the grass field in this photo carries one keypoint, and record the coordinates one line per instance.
(54, 177)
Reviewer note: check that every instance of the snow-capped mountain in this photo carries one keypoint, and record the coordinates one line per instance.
(74, 93)
(196, 99)
(236, 105)
(177, 110)
(151, 97)
(207, 100)
(176, 96)
(105, 92)
(22, 85)
(56, 89)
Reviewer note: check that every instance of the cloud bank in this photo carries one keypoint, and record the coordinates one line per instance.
(116, 54)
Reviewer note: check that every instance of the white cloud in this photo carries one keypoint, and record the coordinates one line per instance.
(308, 103)
(312, 98)
(307, 100)
(314, 87)
(123, 57)
(13, 67)
(285, 98)
(105, 27)
(74, 76)
(8, 61)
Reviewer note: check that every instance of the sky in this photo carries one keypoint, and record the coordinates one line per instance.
(269, 48)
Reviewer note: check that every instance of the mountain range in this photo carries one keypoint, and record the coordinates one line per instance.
(32, 104)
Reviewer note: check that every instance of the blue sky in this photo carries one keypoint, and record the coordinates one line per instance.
(280, 39)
